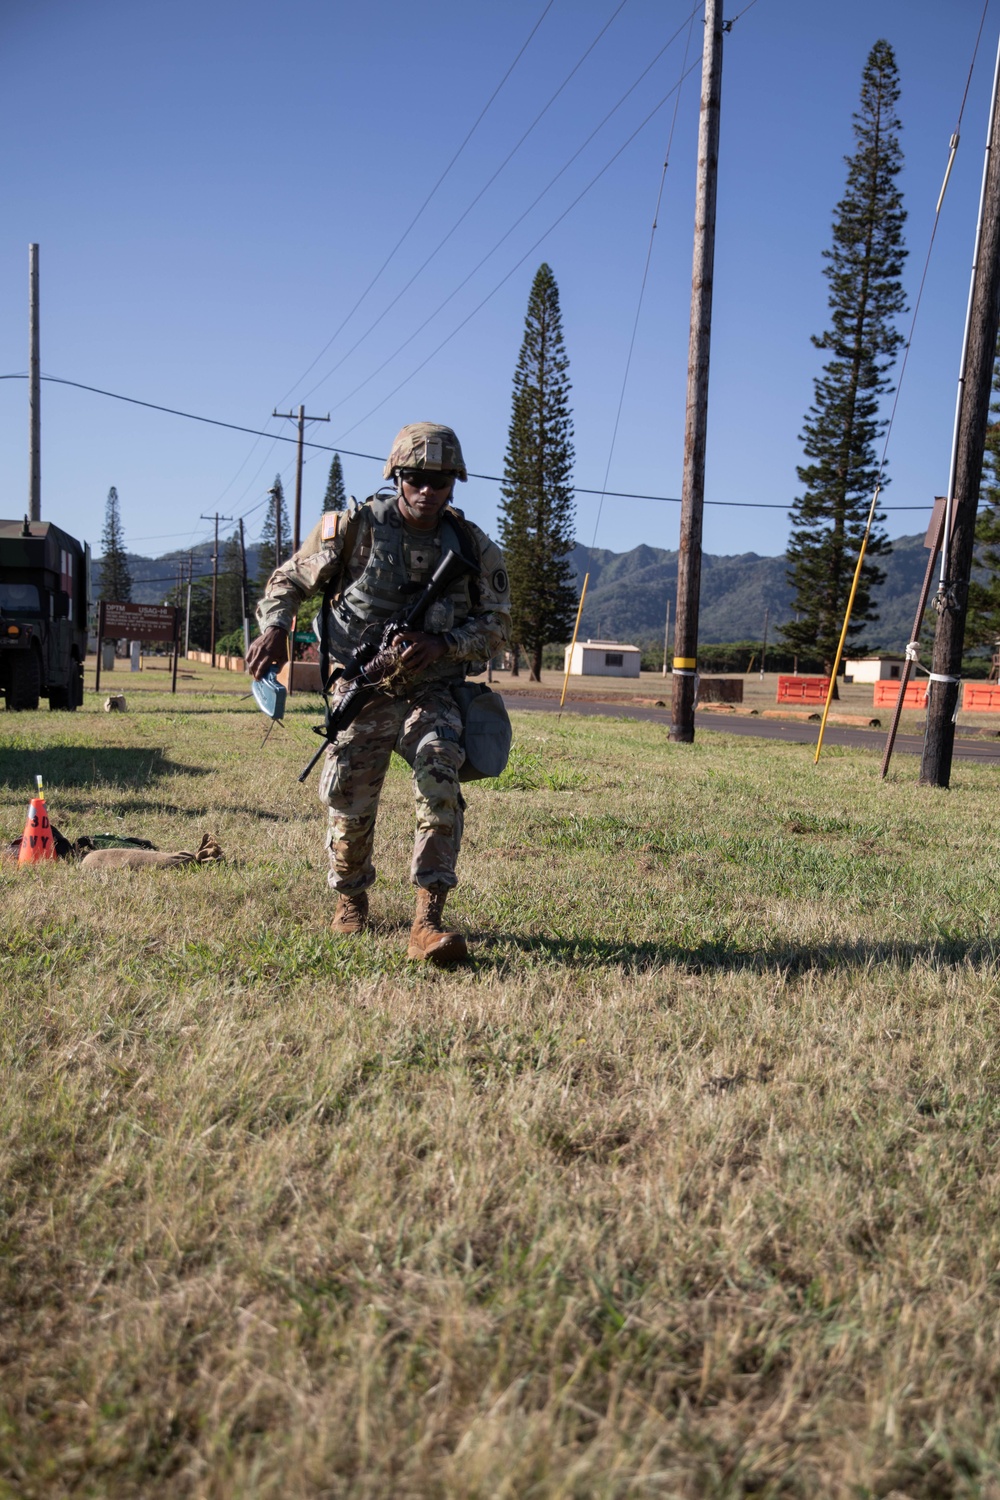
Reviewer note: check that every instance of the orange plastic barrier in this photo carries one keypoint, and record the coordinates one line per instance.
(981, 697)
(803, 689)
(887, 692)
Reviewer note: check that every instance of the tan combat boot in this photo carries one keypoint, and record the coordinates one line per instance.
(428, 939)
(351, 915)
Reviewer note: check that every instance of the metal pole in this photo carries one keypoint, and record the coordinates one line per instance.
(958, 541)
(666, 640)
(100, 645)
(933, 542)
(572, 644)
(34, 393)
(696, 416)
(177, 642)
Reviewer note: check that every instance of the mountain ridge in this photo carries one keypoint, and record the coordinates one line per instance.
(628, 592)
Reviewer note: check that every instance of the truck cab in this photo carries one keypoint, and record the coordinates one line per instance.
(44, 610)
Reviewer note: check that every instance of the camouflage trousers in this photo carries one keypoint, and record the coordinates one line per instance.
(425, 727)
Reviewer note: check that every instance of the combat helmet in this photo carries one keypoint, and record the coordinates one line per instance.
(425, 445)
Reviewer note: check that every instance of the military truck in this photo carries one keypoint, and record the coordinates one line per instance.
(44, 607)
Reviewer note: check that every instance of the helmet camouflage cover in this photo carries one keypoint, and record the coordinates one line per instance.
(425, 445)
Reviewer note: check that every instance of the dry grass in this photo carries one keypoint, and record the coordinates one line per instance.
(688, 1187)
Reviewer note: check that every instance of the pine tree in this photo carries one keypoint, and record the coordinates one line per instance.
(536, 525)
(866, 296)
(229, 602)
(116, 580)
(982, 623)
(266, 563)
(336, 496)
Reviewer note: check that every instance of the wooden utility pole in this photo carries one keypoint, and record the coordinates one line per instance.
(215, 574)
(958, 541)
(301, 418)
(244, 591)
(696, 416)
(187, 616)
(34, 393)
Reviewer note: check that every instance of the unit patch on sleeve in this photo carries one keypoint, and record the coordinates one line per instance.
(499, 581)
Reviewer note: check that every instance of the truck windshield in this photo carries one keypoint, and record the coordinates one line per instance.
(19, 598)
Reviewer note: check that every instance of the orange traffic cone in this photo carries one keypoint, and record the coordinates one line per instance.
(37, 842)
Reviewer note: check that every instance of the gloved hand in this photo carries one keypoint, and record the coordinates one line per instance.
(422, 649)
(270, 649)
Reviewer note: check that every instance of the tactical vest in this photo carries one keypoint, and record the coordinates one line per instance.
(385, 586)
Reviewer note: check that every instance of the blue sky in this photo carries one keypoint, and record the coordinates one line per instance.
(213, 186)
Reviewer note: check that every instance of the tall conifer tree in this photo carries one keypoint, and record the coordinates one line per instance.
(230, 593)
(863, 268)
(116, 580)
(268, 533)
(336, 496)
(537, 515)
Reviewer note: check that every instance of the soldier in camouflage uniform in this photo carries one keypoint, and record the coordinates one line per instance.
(375, 561)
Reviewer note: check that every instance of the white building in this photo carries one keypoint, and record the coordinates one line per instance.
(602, 659)
(874, 669)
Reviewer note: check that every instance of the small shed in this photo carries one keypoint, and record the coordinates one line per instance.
(874, 669)
(602, 659)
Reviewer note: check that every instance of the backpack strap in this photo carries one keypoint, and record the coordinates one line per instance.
(346, 523)
(469, 548)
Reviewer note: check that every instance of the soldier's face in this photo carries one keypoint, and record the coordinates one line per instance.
(420, 505)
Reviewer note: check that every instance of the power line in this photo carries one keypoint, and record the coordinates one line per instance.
(516, 267)
(475, 126)
(482, 191)
(519, 220)
(645, 275)
(380, 458)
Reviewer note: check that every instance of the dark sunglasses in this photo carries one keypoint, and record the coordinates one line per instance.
(434, 479)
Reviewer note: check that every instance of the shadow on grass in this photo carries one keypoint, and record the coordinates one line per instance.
(89, 765)
(494, 951)
(122, 805)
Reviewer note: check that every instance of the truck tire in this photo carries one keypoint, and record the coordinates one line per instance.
(25, 681)
(69, 697)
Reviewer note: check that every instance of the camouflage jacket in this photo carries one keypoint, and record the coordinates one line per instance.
(479, 630)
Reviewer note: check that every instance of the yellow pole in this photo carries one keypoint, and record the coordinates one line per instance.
(847, 621)
(572, 644)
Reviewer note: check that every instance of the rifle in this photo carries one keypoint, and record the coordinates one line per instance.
(374, 661)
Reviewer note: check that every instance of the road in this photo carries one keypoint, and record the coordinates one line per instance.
(791, 731)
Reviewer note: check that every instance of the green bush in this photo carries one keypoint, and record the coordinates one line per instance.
(232, 644)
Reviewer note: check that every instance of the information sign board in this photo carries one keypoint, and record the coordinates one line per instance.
(138, 622)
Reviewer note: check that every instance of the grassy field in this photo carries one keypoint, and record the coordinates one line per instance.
(687, 1187)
